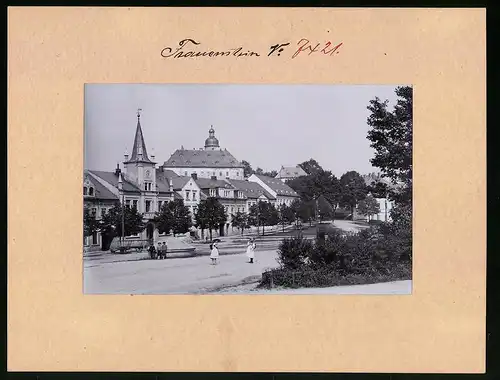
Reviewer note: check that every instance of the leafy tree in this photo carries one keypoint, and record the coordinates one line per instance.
(378, 189)
(240, 220)
(311, 166)
(210, 215)
(353, 189)
(368, 206)
(391, 136)
(272, 173)
(263, 214)
(286, 215)
(174, 216)
(306, 211)
(90, 223)
(111, 222)
(259, 171)
(324, 208)
(247, 168)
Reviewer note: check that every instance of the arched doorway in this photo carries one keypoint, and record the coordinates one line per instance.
(150, 232)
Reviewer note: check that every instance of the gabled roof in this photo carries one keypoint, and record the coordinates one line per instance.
(278, 186)
(163, 178)
(208, 183)
(290, 172)
(112, 179)
(100, 191)
(251, 190)
(139, 145)
(202, 158)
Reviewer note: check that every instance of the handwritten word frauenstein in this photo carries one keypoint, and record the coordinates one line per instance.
(182, 52)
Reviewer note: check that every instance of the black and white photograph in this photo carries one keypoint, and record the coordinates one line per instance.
(247, 189)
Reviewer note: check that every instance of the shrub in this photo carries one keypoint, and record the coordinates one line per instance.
(330, 251)
(293, 252)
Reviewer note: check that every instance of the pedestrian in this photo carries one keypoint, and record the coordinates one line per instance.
(251, 250)
(164, 250)
(214, 253)
(158, 251)
(152, 251)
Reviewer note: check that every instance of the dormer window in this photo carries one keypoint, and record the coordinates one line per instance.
(84, 190)
(91, 191)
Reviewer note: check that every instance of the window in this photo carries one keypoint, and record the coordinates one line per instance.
(148, 206)
(212, 192)
(93, 212)
(94, 238)
(127, 203)
(134, 204)
(232, 209)
(227, 174)
(159, 205)
(187, 195)
(220, 174)
(194, 195)
(213, 173)
(91, 191)
(85, 190)
(185, 173)
(103, 212)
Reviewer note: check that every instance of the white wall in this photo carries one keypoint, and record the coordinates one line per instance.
(231, 173)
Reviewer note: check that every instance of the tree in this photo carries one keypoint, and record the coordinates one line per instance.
(263, 214)
(210, 215)
(325, 209)
(240, 220)
(378, 189)
(353, 189)
(391, 136)
(368, 206)
(311, 166)
(259, 171)
(247, 168)
(174, 216)
(272, 173)
(90, 223)
(286, 215)
(111, 222)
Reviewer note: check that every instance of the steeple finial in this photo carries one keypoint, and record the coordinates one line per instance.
(139, 113)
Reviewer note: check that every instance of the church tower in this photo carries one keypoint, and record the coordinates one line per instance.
(211, 143)
(139, 168)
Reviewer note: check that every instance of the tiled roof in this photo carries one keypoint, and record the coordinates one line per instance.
(112, 179)
(139, 145)
(100, 191)
(208, 183)
(278, 186)
(163, 178)
(250, 189)
(202, 158)
(290, 172)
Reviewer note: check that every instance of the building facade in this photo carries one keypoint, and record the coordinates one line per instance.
(210, 161)
(290, 172)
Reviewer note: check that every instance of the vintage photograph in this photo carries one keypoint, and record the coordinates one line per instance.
(247, 189)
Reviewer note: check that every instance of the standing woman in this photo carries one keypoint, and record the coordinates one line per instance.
(214, 254)
(251, 250)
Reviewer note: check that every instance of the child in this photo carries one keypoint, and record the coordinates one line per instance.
(251, 250)
(214, 253)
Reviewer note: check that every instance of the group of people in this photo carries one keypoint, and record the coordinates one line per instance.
(250, 252)
(158, 253)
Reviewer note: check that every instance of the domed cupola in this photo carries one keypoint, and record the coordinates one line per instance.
(211, 142)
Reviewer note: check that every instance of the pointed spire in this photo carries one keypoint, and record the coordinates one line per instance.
(139, 152)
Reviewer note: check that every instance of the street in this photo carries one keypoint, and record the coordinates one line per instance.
(175, 276)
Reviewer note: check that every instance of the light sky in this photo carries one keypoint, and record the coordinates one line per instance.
(267, 125)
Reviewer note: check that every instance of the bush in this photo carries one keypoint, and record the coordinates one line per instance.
(293, 252)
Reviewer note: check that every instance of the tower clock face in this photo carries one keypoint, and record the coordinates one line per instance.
(148, 173)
